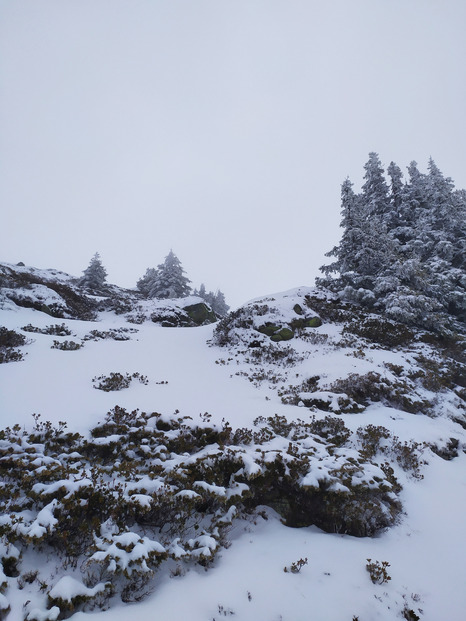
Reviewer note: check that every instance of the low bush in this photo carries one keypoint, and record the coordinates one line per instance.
(10, 338)
(10, 355)
(54, 329)
(378, 571)
(380, 331)
(144, 490)
(117, 381)
(66, 345)
(117, 334)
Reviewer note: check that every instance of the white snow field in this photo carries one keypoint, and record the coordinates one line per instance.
(425, 548)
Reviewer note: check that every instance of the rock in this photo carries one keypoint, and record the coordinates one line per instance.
(285, 334)
(200, 314)
(269, 329)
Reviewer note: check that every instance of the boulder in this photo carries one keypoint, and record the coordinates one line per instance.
(285, 334)
(200, 314)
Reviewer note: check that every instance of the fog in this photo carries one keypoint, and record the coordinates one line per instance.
(220, 129)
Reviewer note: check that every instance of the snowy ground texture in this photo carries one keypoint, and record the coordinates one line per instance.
(308, 409)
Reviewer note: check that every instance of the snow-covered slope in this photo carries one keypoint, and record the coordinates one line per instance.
(345, 420)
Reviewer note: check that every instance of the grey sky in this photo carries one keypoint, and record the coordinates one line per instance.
(221, 129)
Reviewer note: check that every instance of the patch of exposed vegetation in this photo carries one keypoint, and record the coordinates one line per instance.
(9, 339)
(54, 329)
(117, 381)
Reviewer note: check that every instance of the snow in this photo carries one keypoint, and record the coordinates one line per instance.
(37, 614)
(425, 548)
(68, 588)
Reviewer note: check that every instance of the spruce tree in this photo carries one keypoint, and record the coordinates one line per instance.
(402, 251)
(219, 305)
(94, 275)
(215, 300)
(170, 281)
(145, 283)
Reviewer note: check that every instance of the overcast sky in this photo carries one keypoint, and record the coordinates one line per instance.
(220, 128)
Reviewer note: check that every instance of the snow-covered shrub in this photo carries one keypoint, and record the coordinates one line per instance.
(407, 455)
(70, 595)
(10, 338)
(449, 451)
(66, 345)
(371, 437)
(373, 387)
(54, 329)
(117, 334)
(117, 381)
(380, 331)
(8, 354)
(147, 490)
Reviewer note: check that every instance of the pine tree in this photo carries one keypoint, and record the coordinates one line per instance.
(215, 300)
(219, 305)
(402, 252)
(202, 291)
(144, 284)
(363, 254)
(375, 189)
(169, 280)
(94, 275)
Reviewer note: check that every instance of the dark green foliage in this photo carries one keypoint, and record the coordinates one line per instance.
(10, 338)
(380, 331)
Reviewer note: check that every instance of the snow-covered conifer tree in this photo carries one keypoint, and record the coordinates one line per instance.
(219, 304)
(145, 283)
(215, 300)
(202, 291)
(94, 275)
(170, 281)
(402, 252)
